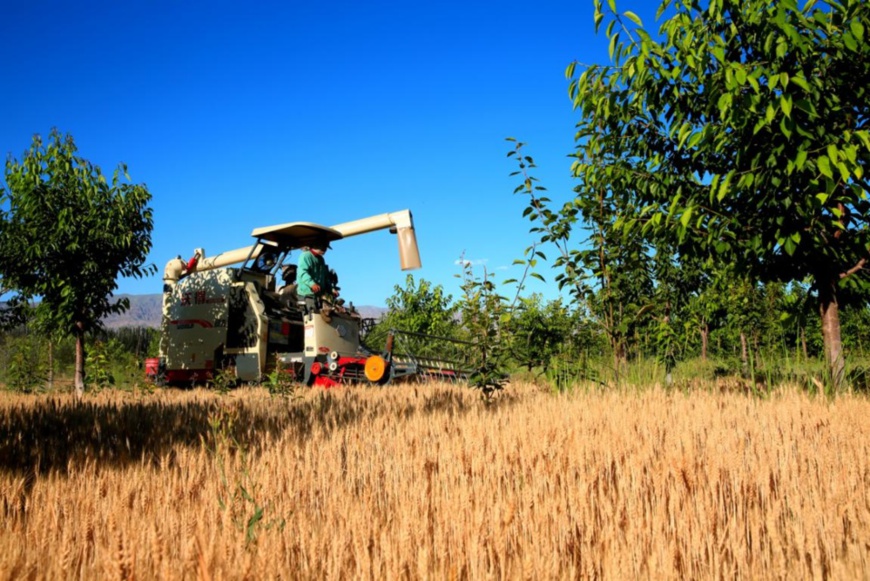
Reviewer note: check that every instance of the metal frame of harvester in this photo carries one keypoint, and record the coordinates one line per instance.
(224, 314)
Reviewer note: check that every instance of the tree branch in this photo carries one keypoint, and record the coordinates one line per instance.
(854, 269)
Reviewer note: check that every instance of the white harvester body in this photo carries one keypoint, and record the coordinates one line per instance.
(219, 318)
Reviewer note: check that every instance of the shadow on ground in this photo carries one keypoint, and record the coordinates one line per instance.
(39, 435)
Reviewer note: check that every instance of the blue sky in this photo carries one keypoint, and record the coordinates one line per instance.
(242, 115)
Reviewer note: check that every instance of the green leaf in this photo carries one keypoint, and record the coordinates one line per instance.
(686, 217)
(685, 131)
(754, 83)
(633, 17)
(850, 42)
(725, 186)
(569, 71)
(724, 104)
(844, 171)
(599, 16)
(851, 153)
(786, 104)
(801, 158)
(714, 187)
(857, 29)
(824, 165)
(802, 83)
(784, 126)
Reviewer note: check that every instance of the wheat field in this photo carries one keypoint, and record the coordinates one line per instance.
(429, 481)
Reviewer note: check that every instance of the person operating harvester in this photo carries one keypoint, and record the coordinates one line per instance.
(313, 277)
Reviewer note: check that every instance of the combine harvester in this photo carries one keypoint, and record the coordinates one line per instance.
(219, 318)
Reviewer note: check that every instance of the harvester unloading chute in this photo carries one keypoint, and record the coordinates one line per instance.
(400, 223)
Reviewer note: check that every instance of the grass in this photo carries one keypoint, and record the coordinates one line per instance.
(428, 481)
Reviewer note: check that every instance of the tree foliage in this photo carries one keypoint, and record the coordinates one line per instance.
(422, 307)
(418, 307)
(739, 133)
(606, 272)
(67, 234)
(483, 312)
(537, 331)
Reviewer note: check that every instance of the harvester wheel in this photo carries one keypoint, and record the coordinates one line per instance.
(376, 369)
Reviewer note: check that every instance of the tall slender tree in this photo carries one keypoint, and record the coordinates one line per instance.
(607, 272)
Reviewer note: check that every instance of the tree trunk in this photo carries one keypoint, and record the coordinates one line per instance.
(619, 355)
(50, 376)
(804, 344)
(705, 338)
(744, 352)
(830, 313)
(79, 334)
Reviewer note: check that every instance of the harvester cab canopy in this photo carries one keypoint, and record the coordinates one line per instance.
(275, 242)
(296, 234)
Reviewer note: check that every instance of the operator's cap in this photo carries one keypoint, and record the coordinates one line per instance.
(320, 245)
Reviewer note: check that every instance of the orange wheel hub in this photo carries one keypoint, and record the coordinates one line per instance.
(376, 368)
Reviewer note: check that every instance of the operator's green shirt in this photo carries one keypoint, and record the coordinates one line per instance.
(312, 269)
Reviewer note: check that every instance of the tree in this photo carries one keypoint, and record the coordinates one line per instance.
(483, 312)
(608, 273)
(67, 234)
(740, 131)
(795, 314)
(538, 331)
(420, 307)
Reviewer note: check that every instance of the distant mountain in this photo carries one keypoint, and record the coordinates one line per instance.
(146, 311)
